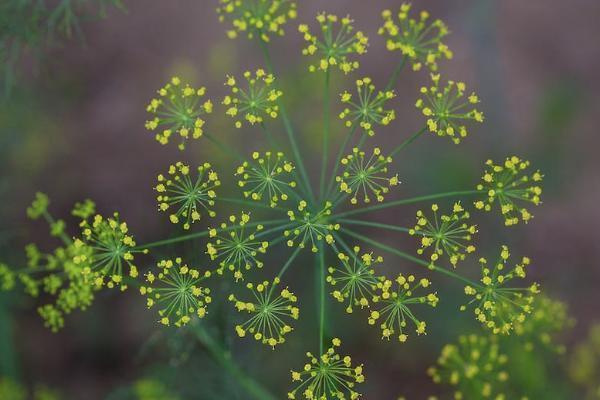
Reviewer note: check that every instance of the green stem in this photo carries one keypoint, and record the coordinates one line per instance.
(270, 137)
(395, 74)
(196, 235)
(410, 200)
(326, 129)
(223, 357)
(288, 126)
(249, 203)
(374, 225)
(410, 257)
(51, 221)
(407, 141)
(226, 149)
(285, 267)
(321, 298)
(339, 157)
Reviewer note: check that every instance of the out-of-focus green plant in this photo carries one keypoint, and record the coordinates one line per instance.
(517, 366)
(29, 26)
(11, 390)
(281, 206)
(584, 363)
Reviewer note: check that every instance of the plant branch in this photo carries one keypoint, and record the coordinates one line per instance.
(409, 257)
(223, 357)
(204, 233)
(410, 200)
(374, 225)
(326, 129)
(288, 126)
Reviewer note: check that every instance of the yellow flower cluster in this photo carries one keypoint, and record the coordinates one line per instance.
(417, 39)
(540, 329)
(113, 249)
(335, 45)
(179, 110)
(508, 183)
(185, 197)
(269, 313)
(355, 279)
(256, 18)
(498, 306)
(236, 245)
(176, 291)
(368, 110)
(310, 227)
(254, 102)
(474, 366)
(366, 176)
(266, 177)
(446, 109)
(328, 376)
(393, 305)
(445, 234)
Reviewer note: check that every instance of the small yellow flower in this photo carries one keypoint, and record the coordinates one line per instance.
(187, 197)
(176, 290)
(365, 176)
(270, 313)
(179, 109)
(254, 102)
(256, 18)
(445, 109)
(419, 40)
(509, 185)
(327, 376)
(392, 308)
(368, 110)
(266, 177)
(338, 41)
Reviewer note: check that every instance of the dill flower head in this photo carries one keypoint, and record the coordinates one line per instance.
(178, 109)
(393, 305)
(175, 289)
(329, 376)
(256, 18)
(236, 246)
(270, 313)
(113, 249)
(419, 40)
(338, 41)
(499, 306)
(310, 227)
(268, 176)
(547, 320)
(67, 283)
(474, 366)
(364, 176)
(445, 234)
(368, 110)
(509, 185)
(184, 197)
(354, 280)
(255, 102)
(446, 109)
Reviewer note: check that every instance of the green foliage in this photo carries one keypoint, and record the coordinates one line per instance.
(30, 26)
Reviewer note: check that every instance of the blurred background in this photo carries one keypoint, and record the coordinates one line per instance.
(73, 127)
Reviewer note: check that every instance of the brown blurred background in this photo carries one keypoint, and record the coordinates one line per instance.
(74, 129)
